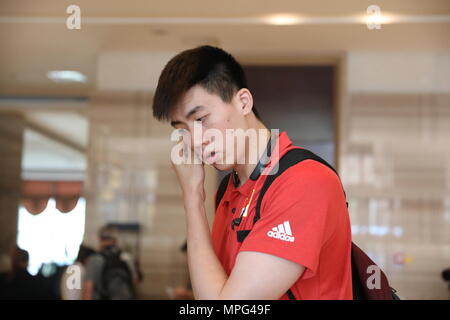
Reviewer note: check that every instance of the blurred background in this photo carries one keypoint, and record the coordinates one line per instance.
(79, 148)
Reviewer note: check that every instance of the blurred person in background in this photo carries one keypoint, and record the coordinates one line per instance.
(110, 274)
(18, 283)
(181, 292)
(72, 289)
(49, 278)
(446, 276)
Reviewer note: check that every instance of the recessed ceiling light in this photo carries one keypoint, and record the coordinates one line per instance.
(66, 76)
(378, 19)
(282, 19)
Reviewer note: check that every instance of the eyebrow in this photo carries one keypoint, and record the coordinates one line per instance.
(194, 110)
(189, 114)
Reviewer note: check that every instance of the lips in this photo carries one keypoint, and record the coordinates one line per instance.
(212, 157)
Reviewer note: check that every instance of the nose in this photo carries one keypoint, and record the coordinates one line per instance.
(197, 141)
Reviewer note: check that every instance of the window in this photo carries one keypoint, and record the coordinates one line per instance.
(51, 236)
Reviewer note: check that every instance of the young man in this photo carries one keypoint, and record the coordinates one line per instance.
(302, 241)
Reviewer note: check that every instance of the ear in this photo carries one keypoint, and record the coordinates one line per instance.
(244, 100)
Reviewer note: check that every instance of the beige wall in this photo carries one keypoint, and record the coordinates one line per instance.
(395, 164)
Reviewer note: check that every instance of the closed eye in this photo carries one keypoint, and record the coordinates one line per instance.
(201, 118)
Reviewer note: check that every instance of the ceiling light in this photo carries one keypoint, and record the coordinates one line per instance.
(66, 76)
(379, 19)
(282, 19)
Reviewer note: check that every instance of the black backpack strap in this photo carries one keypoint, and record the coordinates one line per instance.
(222, 188)
(290, 295)
(289, 159)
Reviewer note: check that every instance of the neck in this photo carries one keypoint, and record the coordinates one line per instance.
(245, 170)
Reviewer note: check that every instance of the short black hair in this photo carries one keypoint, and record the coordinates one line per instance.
(107, 232)
(210, 67)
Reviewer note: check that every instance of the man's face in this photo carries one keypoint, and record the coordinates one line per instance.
(106, 243)
(200, 109)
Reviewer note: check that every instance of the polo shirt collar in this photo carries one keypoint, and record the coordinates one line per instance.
(282, 142)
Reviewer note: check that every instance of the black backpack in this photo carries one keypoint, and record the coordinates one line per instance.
(360, 261)
(116, 277)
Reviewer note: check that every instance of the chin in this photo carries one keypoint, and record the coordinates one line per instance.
(223, 167)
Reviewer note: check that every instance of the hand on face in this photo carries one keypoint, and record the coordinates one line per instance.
(190, 174)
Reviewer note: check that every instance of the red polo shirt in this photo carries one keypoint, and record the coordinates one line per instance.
(304, 219)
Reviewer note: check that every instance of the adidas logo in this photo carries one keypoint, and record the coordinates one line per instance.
(282, 232)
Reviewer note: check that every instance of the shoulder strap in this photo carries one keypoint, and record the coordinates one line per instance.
(222, 188)
(289, 159)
